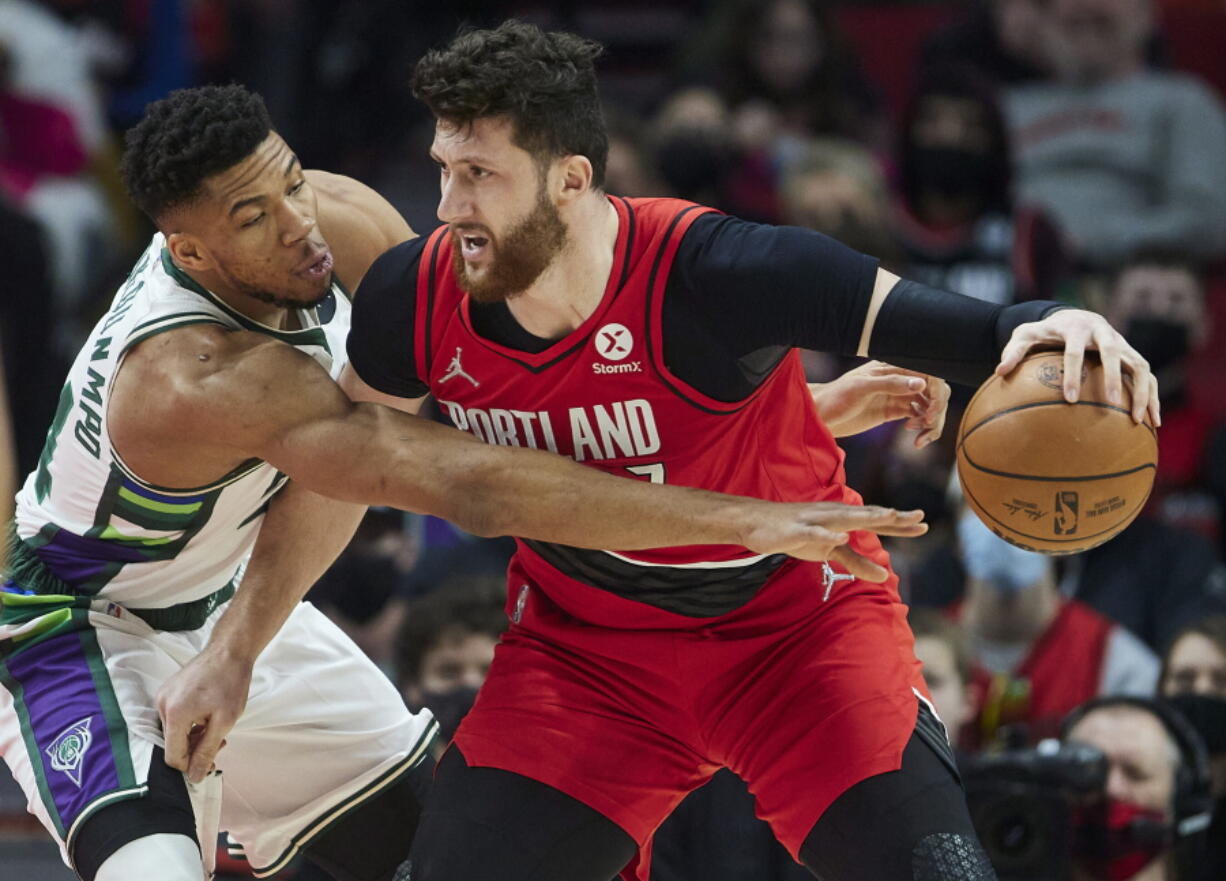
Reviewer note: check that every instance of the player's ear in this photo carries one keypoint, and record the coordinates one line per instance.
(575, 177)
(188, 252)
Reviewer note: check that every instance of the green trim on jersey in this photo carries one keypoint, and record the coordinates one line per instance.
(142, 332)
(42, 483)
(307, 336)
(116, 726)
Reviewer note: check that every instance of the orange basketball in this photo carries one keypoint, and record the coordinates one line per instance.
(1051, 476)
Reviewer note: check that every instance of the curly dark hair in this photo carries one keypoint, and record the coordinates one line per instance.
(187, 137)
(545, 83)
(460, 606)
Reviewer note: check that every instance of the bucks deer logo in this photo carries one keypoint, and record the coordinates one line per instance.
(68, 749)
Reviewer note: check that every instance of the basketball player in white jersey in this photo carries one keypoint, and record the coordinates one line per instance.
(202, 411)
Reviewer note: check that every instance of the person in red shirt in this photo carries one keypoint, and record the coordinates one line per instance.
(1037, 654)
(657, 339)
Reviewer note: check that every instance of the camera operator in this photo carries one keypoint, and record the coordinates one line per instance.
(1158, 799)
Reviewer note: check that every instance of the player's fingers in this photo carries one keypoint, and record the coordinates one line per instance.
(1109, 353)
(1074, 356)
(1015, 350)
(1155, 406)
(176, 730)
(891, 384)
(859, 566)
(1143, 385)
(873, 518)
(207, 745)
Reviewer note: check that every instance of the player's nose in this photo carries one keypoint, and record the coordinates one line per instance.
(454, 204)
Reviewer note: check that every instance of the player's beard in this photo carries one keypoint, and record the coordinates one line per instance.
(519, 257)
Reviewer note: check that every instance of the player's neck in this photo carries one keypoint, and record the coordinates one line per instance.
(260, 311)
(572, 287)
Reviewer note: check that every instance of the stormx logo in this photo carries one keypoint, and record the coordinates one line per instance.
(613, 343)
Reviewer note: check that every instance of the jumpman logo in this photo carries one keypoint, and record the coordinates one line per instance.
(454, 369)
(830, 578)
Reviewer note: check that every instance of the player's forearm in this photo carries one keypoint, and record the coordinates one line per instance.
(548, 497)
(300, 537)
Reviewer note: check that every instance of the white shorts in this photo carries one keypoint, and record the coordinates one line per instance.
(323, 731)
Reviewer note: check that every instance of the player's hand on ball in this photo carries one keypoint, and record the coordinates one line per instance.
(199, 705)
(876, 393)
(821, 531)
(1077, 330)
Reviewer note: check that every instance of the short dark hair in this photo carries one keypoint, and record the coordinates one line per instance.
(545, 83)
(187, 137)
(459, 607)
(1157, 257)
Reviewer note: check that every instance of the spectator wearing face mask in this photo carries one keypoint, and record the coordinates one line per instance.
(1194, 682)
(1151, 824)
(1038, 654)
(955, 218)
(446, 646)
(1157, 300)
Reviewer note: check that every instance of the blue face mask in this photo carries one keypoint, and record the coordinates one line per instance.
(994, 560)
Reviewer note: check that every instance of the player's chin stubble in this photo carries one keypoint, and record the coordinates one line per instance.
(521, 256)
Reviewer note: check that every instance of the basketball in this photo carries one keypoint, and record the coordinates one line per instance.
(1051, 476)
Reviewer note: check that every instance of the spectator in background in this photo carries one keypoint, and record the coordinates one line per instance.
(1157, 300)
(1040, 655)
(1194, 682)
(1140, 834)
(52, 102)
(836, 187)
(940, 645)
(784, 74)
(1122, 156)
(446, 645)
(1152, 578)
(955, 219)
(630, 169)
(363, 591)
(1196, 661)
(1001, 39)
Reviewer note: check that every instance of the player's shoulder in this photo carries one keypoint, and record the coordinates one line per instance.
(357, 222)
(663, 210)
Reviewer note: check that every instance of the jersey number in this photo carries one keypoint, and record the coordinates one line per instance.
(653, 472)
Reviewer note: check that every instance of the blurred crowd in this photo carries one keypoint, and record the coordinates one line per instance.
(1004, 149)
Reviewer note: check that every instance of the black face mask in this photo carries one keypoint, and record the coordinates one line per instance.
(449, 707)
(1207, 715)
(951, 172)
(1162, 343)
(691, 162)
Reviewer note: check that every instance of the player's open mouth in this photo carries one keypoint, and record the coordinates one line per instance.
(472, 247)
(318, 268)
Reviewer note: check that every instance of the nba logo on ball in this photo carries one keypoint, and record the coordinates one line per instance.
(1066, 514)
(614, 342)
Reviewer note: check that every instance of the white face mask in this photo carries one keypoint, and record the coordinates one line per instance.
(994, 560)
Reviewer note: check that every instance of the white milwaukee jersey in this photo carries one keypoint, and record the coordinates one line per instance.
(93, 522)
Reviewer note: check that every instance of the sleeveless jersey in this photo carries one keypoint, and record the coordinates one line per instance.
(604, 396)
(92, 521)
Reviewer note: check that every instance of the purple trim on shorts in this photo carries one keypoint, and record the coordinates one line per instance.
(67, 721)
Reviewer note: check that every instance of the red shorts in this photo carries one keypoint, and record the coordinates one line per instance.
(801, 698)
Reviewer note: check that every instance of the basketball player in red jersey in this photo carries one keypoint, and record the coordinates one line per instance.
(657, 339)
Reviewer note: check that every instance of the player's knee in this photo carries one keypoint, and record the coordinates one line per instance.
(371, 842)
(165, 856)
(950, 856)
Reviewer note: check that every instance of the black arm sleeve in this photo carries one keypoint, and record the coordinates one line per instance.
(947, 335)
(741, 294)
(380, 342)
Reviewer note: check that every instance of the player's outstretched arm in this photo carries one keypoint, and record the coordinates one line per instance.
(301, 535)
(262, 398)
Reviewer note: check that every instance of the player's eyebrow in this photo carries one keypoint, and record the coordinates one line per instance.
(470, 159)
(243, 203)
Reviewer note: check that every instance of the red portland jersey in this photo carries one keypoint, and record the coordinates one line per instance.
(604, 396)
